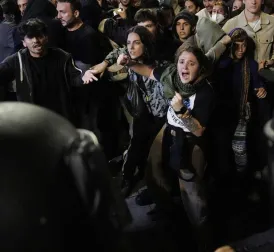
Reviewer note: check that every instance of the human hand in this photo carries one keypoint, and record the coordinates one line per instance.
(225, 40)
(266, 63)
(123, 59)
(100, 2)
(261, 65)
(225, 249)
(261, 92)
(177, 102)
(269, 63)
(89, 76)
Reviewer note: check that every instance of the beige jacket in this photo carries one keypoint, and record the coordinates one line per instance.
(203, 13)
(263, 35)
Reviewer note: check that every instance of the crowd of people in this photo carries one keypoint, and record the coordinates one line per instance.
(176, 92)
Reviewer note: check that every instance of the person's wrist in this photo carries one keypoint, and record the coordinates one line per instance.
(131, 63)
(182, 110)
(105, 63)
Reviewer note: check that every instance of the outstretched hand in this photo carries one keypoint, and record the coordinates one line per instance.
(266, 64)
(89, 76)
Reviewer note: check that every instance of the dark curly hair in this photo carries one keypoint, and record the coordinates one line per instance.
(144, 15)
(31, 28)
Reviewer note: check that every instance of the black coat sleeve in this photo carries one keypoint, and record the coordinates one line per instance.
(8, 70)
(204, 105)
(73, 74)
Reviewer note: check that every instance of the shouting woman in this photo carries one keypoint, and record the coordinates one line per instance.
(191, 102)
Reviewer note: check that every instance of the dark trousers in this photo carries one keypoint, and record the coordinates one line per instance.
(187, 158)
(145, 129)
(86, 103)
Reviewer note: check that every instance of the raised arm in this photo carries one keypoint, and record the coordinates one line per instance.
(218, 49)
(110, 59)
(138, 68)
(181, 115)
(194, 120)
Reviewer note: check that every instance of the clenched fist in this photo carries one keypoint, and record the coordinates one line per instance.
(177, 102)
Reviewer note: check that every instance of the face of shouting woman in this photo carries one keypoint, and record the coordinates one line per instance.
(135, 46)
(188, 67)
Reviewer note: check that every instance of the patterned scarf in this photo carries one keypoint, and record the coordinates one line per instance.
(173, 83)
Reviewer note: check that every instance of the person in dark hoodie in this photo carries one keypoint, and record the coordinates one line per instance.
(44, 76)
(46, 11)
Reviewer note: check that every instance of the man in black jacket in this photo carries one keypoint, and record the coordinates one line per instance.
(44, 76)
(83, 43)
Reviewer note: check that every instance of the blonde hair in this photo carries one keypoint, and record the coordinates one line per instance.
(219, 3)
(222, 4)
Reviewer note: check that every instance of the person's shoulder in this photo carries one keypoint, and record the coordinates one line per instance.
(7, 25)
(205, 96)
(233, 20)
(252, 62)
(267, 17)
(166, 74)
(22, 51)
(169, 71)
(203, 20)
(271, 18)
(230, 24)
(18, 56)
(206, 90)
(201, 13)
(10, 58)
(253, 65)
(191, 41)
(59, 52)
(204, 24)
(88, 29)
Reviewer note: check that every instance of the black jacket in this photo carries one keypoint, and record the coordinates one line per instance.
(17, 67)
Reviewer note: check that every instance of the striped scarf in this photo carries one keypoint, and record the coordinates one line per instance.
(239, 145)
(245, 88)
